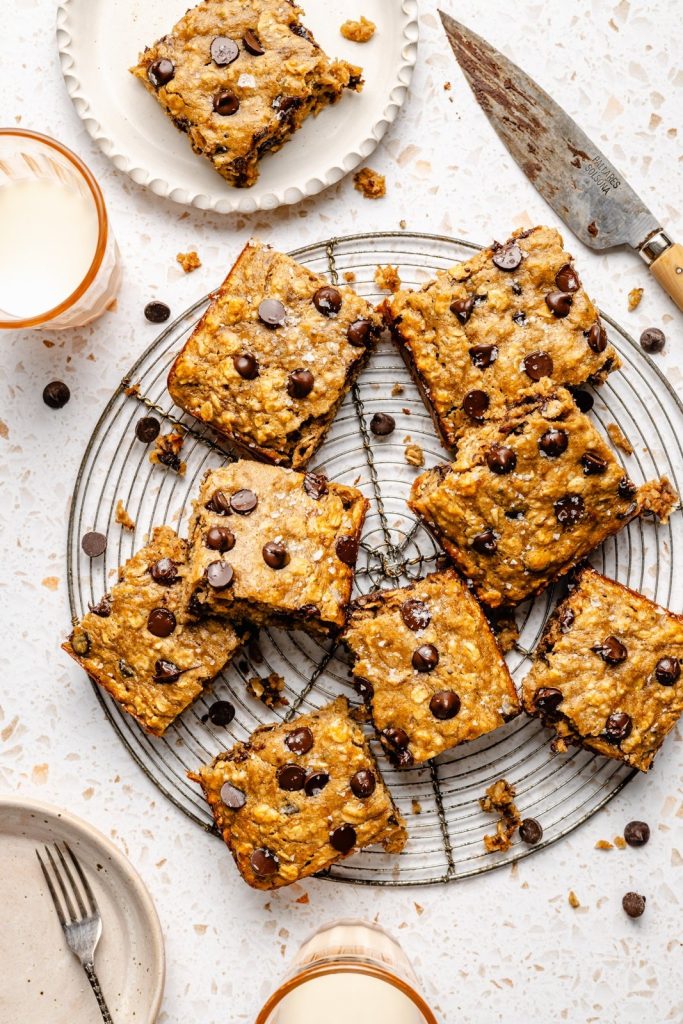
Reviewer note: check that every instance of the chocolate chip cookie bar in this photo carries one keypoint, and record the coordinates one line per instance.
(486, 329)
(240, 77)
(270, 545)
(428, 666)
(607, 671)
(298, 797)
(271, 360)
(134, 644)
(527, 497)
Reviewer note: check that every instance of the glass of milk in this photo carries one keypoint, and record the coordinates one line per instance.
(348, 971)
(59, 264)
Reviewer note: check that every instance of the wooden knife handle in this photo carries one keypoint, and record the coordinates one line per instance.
(667, 270)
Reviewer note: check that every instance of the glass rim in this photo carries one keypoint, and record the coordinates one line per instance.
(102, 230)
(348, 967)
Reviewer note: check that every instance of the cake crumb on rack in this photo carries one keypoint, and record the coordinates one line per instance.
(166, 452)
(189, 261)
(349, 276)
(360, 31)
(414, 455)
(369, 183)
(268, 689)
(500, 799)
(387, 278)
(397, 389)
(416, 806)
(619, 439)
(659, 498)
(122, 517)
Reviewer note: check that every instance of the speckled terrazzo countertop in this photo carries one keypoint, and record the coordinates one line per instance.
(505, 947)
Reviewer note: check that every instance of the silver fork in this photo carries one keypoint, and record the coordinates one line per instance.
(82, 929)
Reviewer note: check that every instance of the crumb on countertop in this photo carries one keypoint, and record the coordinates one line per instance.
(414, 455)
(619, 439)
(634, 297)
(189, 261)
(358, 31)
(122, 517)
(447, 86)
(402, 224)
(387, 278)
(268, 690)
(573, 900)
(166, 452)
(659, 498)
(500, 799)
(604, 844)
(349, 276)
(619, 842)
(369, 183)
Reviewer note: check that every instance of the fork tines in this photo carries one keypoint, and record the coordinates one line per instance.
(67, 885)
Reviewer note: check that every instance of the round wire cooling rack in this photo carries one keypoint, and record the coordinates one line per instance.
(440, 800)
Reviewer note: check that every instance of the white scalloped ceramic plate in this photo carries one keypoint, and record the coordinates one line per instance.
(100, 39)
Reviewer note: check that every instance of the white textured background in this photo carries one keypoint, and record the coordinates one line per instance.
(506, 947)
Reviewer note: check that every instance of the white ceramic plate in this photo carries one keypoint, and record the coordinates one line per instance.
(41, 978)
(100, 39)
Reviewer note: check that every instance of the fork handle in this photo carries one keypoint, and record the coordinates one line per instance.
(95, 985)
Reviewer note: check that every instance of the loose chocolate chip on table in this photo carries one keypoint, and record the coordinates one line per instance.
(444, 705)
(363, 784)
(343, 839)
(415, 614)
(483, 356)
(252, 43)
(219, 575)
(507, 257)
(425, 658)
(164, 572)
(346, 548)
(160, 72)
(300, 383)
(559, 303)
(219, 538)
(566, 620)
(221, 712)
(382, 424)
(291, 777)
(316, 485)
(166, 672)
(501, 460)
(264, 862)
(56, 394)
(364, 689)
(161, 622)
(315, 782)
(275, 554)
(226, 103)
(593, 465)
(637, 833)
(485, 543)
(626, 488)
(584, 400)
(569, 510)
(548, 699)
(668, 671)
(652, 340)
(157, 312)
(80, 641)
(300, 740)
(224, 50)
(611, 650)
(566, 279)
(553, 443)
(246, 365)
(475, 403)
(103, 607)
(530, 831)
(327, 300)
(272, 313)
(94, 544)
(618, 727)
(232, 797)
(147, 429)
(243, 502)
(634, 904)
(359, 333)
(538, 365)
(596, 336)
(462, 308)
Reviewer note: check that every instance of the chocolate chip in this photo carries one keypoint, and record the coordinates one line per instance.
(444, 705)
(309, 611)
(346, 548)
(566, 619)
(226, 103)
(569, 510)
(103, 607)
(364, 689)
(300, 383)
(300, 740)
(415, 614)
(56, 394)
(626, 488)
(611, 650)
(272, 313)
(157, 312)
(475, 403)
(618, 727)
(483, 356)
(224, 51)
(343, 839)
(160, 72)
(219, 575)
(363, 784)
(396, 737)
(264, 862)
(316, 485)
(246, 365)
(519, 318)
(166, 672)
(243, 502)
(382, 424)
(652, 340)
(596, 336)
(291, 777)
(252, 43)
(559, 303)
(668, 671)
(275, 554)
(507, 257)
(219, 538)
(637, 833)
(584, 400)
(315, 782)
(530, 831)
(232, 797)
(634, 904)
(593, 465)
(94, 544)
(401, 758)
(359, 333)
(164, 572)
(425, 658)
(462, 308)
(538, 365)
(553, 443)
(221, 712)
(80, 641)
(485, 543)
(566, 279)
(501, 460)
(161, 622)
(147, 429)
(547, 700)
(219, 503)
(327, 300)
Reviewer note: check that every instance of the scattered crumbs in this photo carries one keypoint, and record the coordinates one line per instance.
(573, 900)
(349, 276)
(659, 498)
(268, 690)
(360, 31)
(419, 910)
(122, 517)
(500, 799)
(357, 480)
(414, 455)
(634, 297)
(167, 448)
(132, 390)
(387, 278)
(200, 928)
(189, 261)
(4, 430)
(160, 863)
(51, 582)
(406, 412)
(416, 806)
(603, 844)
(619, 439)
(397, 389)
(592, 229)
(48, 344)
(369, 183)
(620, 842)
(447, 86)
(303, 899)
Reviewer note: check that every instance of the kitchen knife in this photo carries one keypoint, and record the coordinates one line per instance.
(583, 187)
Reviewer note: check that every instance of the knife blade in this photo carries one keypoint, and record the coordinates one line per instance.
(581, 184)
